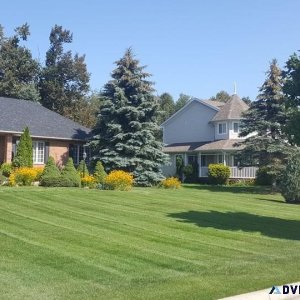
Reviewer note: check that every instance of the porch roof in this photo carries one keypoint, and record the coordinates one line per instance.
(219, 145)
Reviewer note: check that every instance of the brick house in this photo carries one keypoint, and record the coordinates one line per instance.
(52, 134)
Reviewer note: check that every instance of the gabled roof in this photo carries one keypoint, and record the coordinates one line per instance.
(231, 110)
(215, 105)
(16, 114)
(204, 146)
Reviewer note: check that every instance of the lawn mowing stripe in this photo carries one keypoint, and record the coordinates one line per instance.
(159, 234)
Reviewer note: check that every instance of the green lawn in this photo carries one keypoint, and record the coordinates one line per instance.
(194, 243)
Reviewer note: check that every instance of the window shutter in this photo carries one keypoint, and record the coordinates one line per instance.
(14, 147)
(46, 152)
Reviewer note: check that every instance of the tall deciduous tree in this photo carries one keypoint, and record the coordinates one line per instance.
(221, 96)
(124, 137)
(19, 70)
(65, 80)
(263, 123)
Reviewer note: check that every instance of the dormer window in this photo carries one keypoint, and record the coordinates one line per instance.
(222, 128)
(236, 127)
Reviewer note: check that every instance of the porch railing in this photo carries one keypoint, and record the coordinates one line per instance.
(235, 172)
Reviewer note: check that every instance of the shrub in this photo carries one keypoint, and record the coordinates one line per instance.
(119, 180)
(241, 182)
(50, 173)
(171, 183)
(39, 171)
(70, 175)
(23, 156)
(82, 169)
(88, 181)
(290, 183)
(99, 173)
(218, 173)
(179, 166)
(191, 172)
(263, 177)
(6, 169)
(22, 176)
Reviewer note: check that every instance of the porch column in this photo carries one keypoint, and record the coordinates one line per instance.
(8, 148)
(185, 159)
(199, 164)
(224, 158)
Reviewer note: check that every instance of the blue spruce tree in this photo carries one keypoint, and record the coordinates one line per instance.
(126, 131)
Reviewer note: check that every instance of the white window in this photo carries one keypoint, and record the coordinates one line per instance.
(222, 128)
(38, 149)
(236, 127)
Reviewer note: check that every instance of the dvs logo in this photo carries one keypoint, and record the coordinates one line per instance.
(286, 289)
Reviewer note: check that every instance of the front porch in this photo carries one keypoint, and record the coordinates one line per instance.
(204, 159)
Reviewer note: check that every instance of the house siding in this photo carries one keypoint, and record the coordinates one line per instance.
(191, 125)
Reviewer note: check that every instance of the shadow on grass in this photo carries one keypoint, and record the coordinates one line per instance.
(241, 221)
(231, 189)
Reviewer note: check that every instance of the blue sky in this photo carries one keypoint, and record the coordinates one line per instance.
(192, 47)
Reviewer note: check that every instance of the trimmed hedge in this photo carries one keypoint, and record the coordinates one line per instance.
(99, 172)
(218, 174)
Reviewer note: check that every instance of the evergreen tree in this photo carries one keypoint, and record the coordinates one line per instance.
(70, 175)
(24, 153)
(292, 90)
(51, 174)
(19, 70)
(182, 101)
(290, 183)
(99, 172)
(65, 80)
(166, 107)
(82, 169)
(124, 137)
(262, 126)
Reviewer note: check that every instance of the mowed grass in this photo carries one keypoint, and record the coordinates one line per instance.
(193, 243)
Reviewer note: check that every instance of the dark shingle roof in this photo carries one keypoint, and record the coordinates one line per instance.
(16, 114)
(203, 146)
(233, 109)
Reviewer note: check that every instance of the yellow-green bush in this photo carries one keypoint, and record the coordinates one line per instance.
(23, 176)
(218, 174)
(118, 180)
(88, 181)
(39, 172)
(171, 183)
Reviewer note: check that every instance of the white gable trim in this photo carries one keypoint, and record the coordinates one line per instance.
(185, 107)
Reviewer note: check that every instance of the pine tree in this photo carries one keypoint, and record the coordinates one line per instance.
(263, 124)
(124, 137)
(24, 153)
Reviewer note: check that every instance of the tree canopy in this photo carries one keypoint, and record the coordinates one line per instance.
(125, 135)
(263, 125)
(64, 80)
(20, 71)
